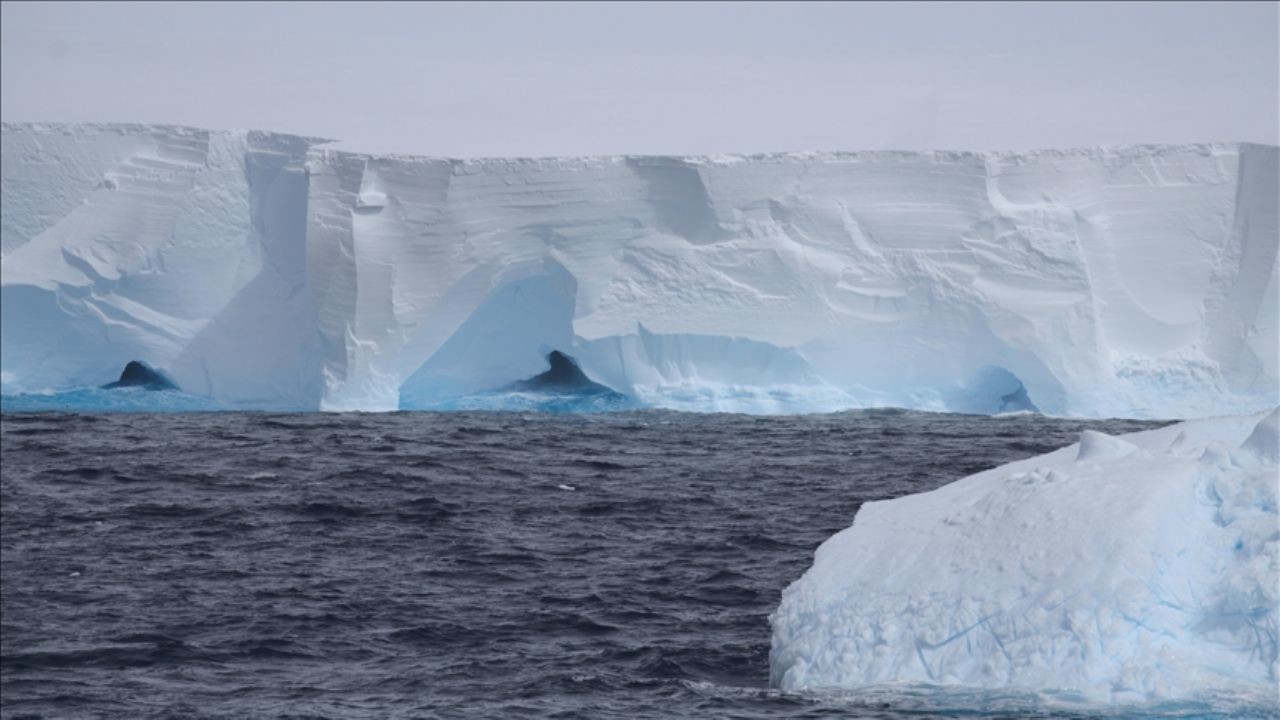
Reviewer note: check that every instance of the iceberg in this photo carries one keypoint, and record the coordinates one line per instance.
(1118, 570)
(267, 270)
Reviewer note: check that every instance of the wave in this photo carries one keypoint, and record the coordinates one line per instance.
(683, 398)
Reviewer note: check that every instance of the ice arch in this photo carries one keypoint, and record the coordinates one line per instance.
(528, 314)
(993, 390)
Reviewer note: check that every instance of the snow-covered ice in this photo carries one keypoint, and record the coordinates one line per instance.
(1132, 569)
(266, 270)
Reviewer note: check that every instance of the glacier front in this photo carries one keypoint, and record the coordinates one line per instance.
(1134, 569)
(266, 270)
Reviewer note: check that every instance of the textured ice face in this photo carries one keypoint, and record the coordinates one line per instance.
(1116, 570)
(265, 270)
(182, 248)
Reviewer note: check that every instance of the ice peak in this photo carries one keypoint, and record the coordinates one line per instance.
(1264, 441)
(1095, 445)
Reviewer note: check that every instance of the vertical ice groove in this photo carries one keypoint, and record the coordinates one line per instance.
(1242, 336)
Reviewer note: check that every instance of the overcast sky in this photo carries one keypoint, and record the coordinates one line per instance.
(527, 79)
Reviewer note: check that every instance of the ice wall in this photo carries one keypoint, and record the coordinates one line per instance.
(183, 248)
(1131, 570)
(265, 269)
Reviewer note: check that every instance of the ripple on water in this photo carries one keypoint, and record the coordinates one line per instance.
(424, 564)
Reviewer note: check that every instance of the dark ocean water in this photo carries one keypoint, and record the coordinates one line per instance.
(241, 565)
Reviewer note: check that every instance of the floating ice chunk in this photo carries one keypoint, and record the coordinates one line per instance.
(1049, 575)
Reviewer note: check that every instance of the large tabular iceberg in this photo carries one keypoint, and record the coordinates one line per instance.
(1119, 570)
(265, 270)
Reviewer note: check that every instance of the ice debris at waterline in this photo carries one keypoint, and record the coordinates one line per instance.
(263, 269)
(140, 375)
(140, 388)
(94, 400)
(520, 401)
(1130, 569)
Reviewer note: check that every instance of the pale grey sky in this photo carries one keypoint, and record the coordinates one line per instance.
(570, 79)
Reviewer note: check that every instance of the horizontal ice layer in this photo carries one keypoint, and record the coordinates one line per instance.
(1128, 569)
(264, 269)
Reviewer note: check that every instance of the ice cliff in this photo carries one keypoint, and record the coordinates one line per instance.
(265, 270)
(1135, 569)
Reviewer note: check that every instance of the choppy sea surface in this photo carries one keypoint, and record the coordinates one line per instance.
(620, 565)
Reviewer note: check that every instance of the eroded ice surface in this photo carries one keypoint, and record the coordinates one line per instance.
(1132, 569)
(264, 270)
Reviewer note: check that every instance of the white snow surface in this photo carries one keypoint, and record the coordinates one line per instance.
(266, 270)
(1118, 570)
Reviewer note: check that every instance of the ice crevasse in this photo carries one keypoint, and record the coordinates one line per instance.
(1120, 569)
(267, 270)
